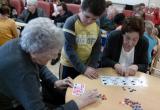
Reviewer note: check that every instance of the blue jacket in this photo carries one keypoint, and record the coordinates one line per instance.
(20, 79)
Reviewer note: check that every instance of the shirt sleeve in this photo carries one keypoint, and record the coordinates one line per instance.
(47, 76)
(70, 42)
(96, 53)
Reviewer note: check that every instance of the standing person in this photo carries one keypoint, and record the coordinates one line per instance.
(21, 72)
(81, 51)
(32, 11)
(8, 28)
(126, 49)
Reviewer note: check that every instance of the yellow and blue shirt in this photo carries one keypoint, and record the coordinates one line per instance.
(82, 44)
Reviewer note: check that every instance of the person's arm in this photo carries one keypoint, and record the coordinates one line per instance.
(47, 76)
(95, 54)
(25, 89)
(143, 66)
(22, 16)
(70, 42)
(107, 60)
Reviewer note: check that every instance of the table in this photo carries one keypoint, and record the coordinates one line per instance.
(149, 96)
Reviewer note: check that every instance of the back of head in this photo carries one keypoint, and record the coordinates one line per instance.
(96, 7)
(149, 26)
(41, 35)
(111, 12)
(133, 24)
(119, 19)
(4, 10)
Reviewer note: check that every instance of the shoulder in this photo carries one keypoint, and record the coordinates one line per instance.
(11, 21)
(116, 34)
(70, 22)
(72, 19)
(143, 41)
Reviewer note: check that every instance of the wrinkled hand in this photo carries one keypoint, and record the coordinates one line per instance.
(87, 98)
(91, 73)
(63, 84)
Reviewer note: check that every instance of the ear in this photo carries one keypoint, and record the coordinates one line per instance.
(33, 56)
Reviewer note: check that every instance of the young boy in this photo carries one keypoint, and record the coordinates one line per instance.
(81, 51)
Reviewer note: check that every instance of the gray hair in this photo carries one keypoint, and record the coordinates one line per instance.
(149, 26)
(111, 11)
(41, 35)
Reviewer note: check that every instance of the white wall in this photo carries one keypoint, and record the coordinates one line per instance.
(130, 2)
(133, 2)
(154, 2)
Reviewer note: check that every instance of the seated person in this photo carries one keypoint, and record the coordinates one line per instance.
(8, 28)
(13, 12)
(81, 51)
(31, 12)
(106, 21)
(126, 49)
(21, 72)
(149, 26)
(62, 14)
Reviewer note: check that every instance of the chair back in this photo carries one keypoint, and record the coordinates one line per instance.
(74, 8)
(18, 5)
(46, 7)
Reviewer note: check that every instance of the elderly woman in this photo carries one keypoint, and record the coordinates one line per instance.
(20, 73)
(149, 26)
(8, 28)
(126, 49)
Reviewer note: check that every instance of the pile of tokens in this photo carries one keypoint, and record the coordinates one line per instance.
(134, 105)
(102, 96)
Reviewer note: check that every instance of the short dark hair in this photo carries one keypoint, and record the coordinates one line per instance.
(133, 24)
(108, 3)
(96, 7)
(64, 6)
(4, 10)
(141, 4)
(119, 19)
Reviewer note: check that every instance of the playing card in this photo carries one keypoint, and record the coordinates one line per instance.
(78, 89)
(122, 81)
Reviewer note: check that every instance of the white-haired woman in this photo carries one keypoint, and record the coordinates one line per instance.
(20, 73)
